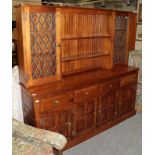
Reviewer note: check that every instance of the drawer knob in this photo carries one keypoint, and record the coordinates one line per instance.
(87, 93)
(71, 97)
(56, 102)
(110, 85)
(69, 124)
(37, 101)
(120, 103)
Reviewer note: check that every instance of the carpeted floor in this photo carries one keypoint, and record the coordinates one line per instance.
(123, 139)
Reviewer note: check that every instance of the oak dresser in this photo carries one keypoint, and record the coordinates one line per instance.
(74, 72)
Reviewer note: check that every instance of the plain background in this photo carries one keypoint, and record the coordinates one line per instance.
(148, 77)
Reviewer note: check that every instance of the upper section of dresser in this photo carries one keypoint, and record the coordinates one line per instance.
(59, 41)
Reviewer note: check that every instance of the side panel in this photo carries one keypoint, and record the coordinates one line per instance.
(132, 34)
(20, 45)
(28, 108)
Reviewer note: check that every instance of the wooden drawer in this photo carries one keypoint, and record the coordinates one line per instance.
(130, 79)
(109, 86)
(55, 102)
(86, 92)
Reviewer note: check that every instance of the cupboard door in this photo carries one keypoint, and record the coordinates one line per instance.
(40, 42)
(84, 117)
(121, 38)
(113, 100)
(58, 121)
(127, 99)
(107, 107)
(101, 117)
(49, 121)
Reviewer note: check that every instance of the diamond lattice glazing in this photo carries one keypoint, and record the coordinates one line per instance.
(120, 39)
(43, 44)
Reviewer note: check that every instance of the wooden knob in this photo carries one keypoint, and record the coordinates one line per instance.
(87, 93)
(120, 103)
(110, 85)
(56, 101)
(37, 101)
(34, 94)
(71, 97)
(69, 124)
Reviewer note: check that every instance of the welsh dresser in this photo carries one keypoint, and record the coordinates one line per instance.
(73, 65)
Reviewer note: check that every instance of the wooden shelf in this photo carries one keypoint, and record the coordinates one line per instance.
(86, 37)
(85, 56)
(75, 71)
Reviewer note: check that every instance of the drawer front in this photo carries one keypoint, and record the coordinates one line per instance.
(130, 79)
(109, 86)
(55, 102)
(86, 92)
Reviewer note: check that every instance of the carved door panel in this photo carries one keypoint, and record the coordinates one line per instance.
(107, 107)
(49, 121)
(113, 100)
(127, 99)
(101, 117)
(65, 122)
(84, 117)
(102, 110)
(58, 121)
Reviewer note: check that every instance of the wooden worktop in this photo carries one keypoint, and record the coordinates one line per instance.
(81, 79)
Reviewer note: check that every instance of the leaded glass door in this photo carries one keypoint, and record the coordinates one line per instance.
(120, 38)
(44, 52)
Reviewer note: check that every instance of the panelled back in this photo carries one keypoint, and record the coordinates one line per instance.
(84, 25)
(85, 40)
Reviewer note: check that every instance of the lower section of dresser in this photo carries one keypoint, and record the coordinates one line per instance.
(84, 110)
(96, 131)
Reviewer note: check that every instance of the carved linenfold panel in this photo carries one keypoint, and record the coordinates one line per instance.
(43, 44)
(120, 39)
